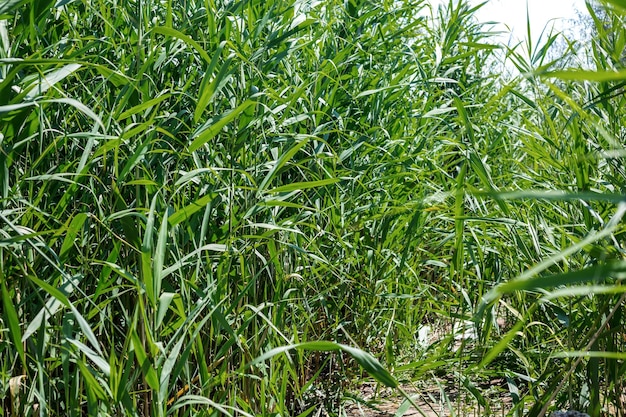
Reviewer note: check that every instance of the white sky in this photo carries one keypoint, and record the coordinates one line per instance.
(513, 14)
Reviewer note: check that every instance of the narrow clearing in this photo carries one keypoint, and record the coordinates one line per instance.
(430, 401)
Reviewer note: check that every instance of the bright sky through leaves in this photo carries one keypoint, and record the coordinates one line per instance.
(512, 13)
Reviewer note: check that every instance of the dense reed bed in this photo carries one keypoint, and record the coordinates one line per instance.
(249, 207)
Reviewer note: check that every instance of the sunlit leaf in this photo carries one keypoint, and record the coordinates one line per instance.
(580, 75)
(366, 360)
(303, 185)
(213, 127)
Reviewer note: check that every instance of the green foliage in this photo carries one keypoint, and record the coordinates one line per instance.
(214, 207)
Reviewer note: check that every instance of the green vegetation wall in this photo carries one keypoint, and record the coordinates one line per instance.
(186, 185)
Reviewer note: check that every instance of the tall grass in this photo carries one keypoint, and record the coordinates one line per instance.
(217, 208)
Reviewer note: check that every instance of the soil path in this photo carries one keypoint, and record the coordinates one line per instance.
(429, 401)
